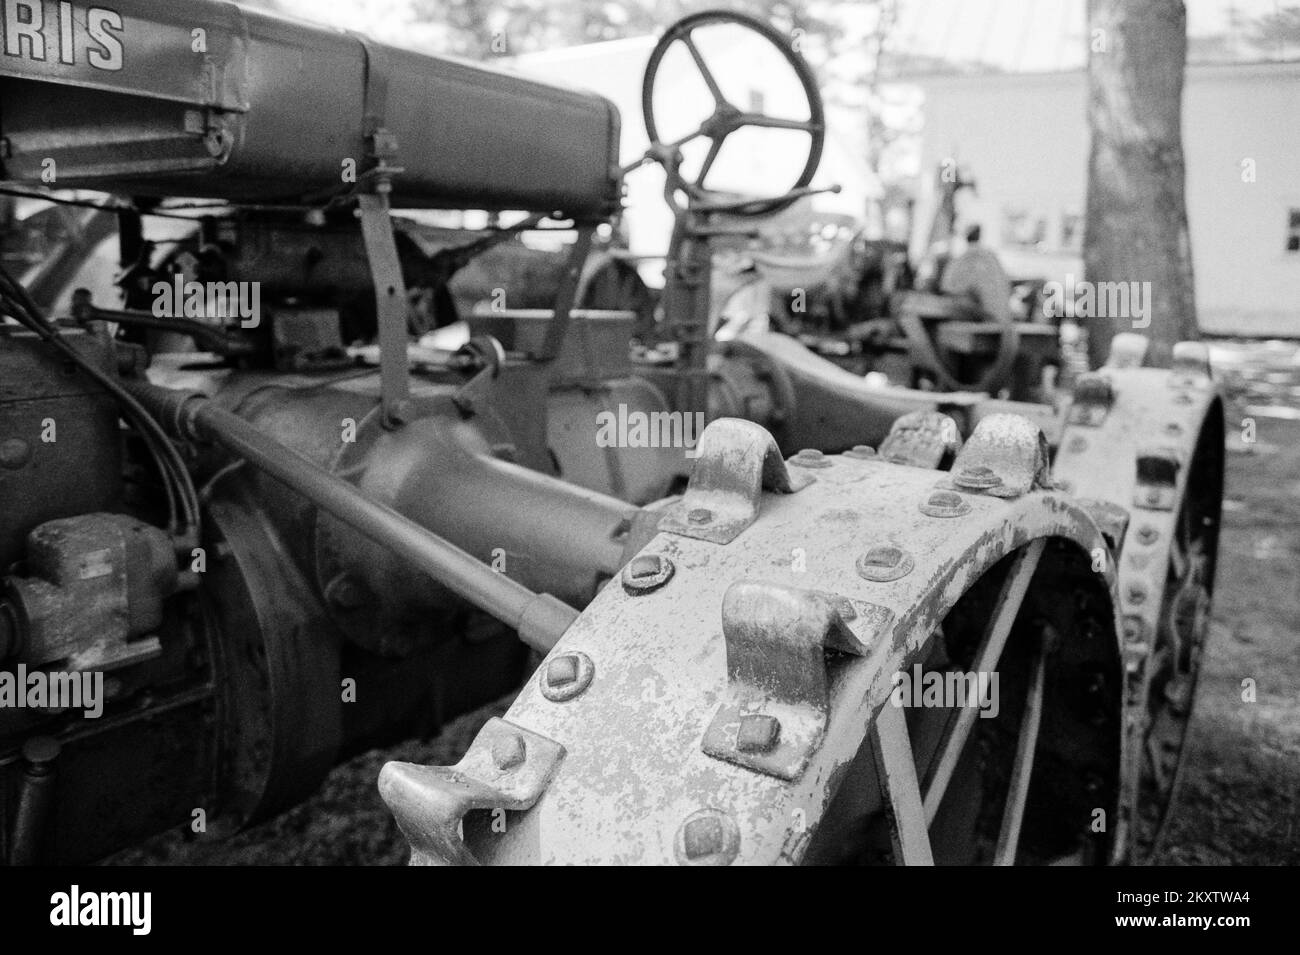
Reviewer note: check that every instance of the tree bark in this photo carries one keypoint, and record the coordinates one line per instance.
(1136, 230)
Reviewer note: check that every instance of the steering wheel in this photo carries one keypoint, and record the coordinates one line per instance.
(727, 118)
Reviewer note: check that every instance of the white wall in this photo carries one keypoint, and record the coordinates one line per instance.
(1024, 139)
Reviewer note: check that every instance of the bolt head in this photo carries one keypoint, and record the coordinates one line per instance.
(883, 556)
(647, 572)
(860, 451)
(508, 751)
(562, 670)
(976, 477)
(699, 515)
(703, 837)
(945, 504)
(566, 676)
(884, 562)
(758, 733)
(645, 565)
(810, 458)
(708, 837)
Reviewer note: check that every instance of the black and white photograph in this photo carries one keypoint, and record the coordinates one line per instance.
(649, 433)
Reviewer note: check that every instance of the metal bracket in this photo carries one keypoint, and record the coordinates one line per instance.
(778, 695)
(737, 460)
(1157, 479)
(390, 307)
(921, 439)
(1093, 397)
(506, 767)
(381, 249)
(375, 103)
(1006, 456)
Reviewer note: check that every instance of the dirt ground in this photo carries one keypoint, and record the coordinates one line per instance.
(1239, 799)
(1240, 795)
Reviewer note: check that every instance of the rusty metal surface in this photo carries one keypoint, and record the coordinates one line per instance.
(1137, 458)
(635, 771)
(777, 700)
(1048, 419)
(91, 583)
(738, 461)
(1006, 456)
(507, 767)
(390, 306)
(921, 439)
(271, 109)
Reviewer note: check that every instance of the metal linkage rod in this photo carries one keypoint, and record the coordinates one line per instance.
(540, 619)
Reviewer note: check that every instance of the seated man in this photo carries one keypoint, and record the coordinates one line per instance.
(977, 275)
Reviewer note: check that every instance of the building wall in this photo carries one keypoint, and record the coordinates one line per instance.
(1024, 139)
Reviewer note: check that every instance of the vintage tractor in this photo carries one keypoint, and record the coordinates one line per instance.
(865, 305)
(712, 567)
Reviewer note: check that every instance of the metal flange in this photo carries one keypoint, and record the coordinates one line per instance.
(775, 708)
(737, 461)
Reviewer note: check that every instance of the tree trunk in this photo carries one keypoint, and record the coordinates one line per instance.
(1136, 228)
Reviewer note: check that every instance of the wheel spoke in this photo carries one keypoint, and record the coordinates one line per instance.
(896, 769)
(704, 69)
(1013, 813)
(773, 122)
(714, 148)
(986, 661)
(687, 138)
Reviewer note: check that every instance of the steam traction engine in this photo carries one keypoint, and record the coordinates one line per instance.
(299, 536)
